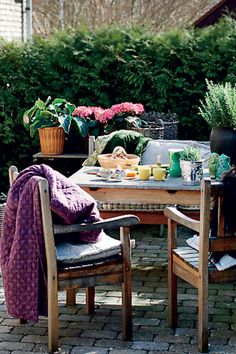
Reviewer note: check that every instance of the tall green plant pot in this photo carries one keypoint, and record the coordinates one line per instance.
(223, 141)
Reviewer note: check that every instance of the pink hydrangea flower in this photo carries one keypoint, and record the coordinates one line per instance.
(83, 111)
(107, 117)
(128, 107)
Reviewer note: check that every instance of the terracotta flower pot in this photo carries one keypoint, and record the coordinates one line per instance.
(52, 140)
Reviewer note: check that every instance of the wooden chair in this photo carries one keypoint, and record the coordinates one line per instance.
(193, 266)
(110, 270)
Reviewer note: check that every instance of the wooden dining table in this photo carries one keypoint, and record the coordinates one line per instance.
(146, 199)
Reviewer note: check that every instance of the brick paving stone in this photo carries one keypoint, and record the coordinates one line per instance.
(142, 345)
(172, 339)
(7, 345)
(86, 325)
(65, 332)
(101, 333)
(35, 352)
(89, 350)
(181, 348)
(34, 339)
(127, 351)
(112, 343)
(8, 337)
(77, 341)
(42, 348)
(29, 330)
(6, 329)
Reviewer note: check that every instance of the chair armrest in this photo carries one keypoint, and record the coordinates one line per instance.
(176, 215)
(111, 223)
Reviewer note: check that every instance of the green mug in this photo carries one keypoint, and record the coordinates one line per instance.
(174, 155)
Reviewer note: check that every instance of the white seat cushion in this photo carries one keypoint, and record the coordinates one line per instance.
(72, 253)
(226, 261)
(161, 147)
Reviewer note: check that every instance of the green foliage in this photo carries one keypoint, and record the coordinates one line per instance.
(190, 154)
(164, 72)
(219, 106)
(56, 113)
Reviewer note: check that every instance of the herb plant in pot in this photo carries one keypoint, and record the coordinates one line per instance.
(52, 119)
(191, 165)
(219, 111)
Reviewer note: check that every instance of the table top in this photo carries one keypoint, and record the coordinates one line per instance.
(62, 156)
(84, 178)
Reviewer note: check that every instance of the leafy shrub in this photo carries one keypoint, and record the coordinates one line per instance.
(164, 72)
(219, 105)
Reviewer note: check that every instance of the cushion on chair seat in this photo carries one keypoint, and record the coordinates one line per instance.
(221, 262)
(72, 253)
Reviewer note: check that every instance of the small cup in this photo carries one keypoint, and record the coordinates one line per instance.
(159, 174)
(119, 174)
(144, 173)
(105, 174)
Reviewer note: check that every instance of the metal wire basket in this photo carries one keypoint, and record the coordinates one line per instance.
(171, 130)
(151, 132)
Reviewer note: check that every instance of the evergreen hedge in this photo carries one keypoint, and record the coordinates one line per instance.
(165, 72)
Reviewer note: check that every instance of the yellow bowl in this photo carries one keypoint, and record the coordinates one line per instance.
(106, 161)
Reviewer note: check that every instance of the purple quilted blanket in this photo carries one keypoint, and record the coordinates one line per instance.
(22, 253)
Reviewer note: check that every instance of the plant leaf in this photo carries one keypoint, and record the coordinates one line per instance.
(65, 122)
(40, 123)
(81, 125)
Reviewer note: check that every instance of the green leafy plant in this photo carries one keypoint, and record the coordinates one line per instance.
(56, 113)
(219, 107)
(164, 71)
(190, 154)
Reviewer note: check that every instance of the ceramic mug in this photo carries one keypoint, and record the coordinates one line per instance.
(159, 174)
(144, 173)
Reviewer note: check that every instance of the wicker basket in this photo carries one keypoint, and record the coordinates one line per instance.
(150, 132)
(171, 130)
(52, 140)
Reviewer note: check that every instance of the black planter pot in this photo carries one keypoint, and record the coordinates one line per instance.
(223, 141)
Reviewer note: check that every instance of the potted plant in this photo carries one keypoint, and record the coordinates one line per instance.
(191, 164)
(100, 121)
(52, 119)
(219, 110)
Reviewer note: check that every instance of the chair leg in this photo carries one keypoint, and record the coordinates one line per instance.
(53, 342)
(70, 297)
(90, 294)
(203, 319)
(22, 321)
(172, 296)
(127, 331)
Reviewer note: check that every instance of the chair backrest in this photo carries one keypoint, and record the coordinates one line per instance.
(212, 222)
(46, 217)
(13, 172)
(91, 145)
(221, 238)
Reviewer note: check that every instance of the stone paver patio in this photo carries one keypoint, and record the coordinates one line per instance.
(101, 333)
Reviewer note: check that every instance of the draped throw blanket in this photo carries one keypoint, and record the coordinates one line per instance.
(22, 253)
